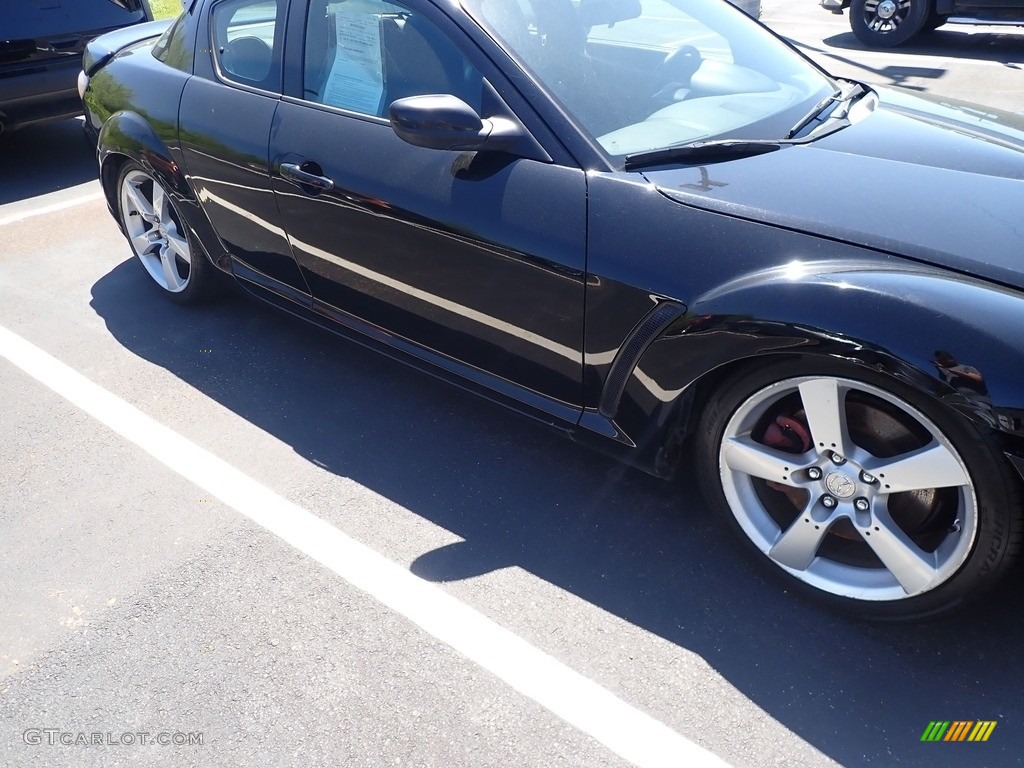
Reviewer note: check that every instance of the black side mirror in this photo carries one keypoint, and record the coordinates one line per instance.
(438, 122)
(442, 121)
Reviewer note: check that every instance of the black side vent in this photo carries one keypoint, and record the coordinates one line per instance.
(629, 354)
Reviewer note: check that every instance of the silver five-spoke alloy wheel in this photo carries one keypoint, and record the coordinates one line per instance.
(874, 503)
(153, 229)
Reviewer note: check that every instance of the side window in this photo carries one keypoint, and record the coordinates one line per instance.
(174, 48)
(246, 39)
(361, 55)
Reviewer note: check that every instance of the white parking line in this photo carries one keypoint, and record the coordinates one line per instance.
(630, 733)
(82, 200)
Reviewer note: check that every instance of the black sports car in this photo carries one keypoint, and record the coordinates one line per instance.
(650, 223)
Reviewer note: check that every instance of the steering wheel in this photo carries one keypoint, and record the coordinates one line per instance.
(675, 71)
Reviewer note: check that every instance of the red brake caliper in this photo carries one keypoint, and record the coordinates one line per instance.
(790, 435)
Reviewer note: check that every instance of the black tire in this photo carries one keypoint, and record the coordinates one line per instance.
(159, 237)
(935, 548)
(887, 23)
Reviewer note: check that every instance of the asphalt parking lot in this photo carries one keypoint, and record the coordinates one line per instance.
(232, 539)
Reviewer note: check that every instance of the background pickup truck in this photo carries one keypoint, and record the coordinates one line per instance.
(886, 23)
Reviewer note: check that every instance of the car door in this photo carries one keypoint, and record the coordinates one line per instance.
(475, 262)
(224, 125)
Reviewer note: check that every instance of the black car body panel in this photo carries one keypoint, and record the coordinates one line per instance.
(99, 50)
(819, 296)
(483, 288)
(41, 47)
(139, 123)
(979, 158)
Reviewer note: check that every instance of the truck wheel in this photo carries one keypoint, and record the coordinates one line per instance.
(887, 23)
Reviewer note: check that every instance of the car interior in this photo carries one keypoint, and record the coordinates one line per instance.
(415, 58)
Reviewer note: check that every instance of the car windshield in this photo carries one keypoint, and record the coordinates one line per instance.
(640, 75)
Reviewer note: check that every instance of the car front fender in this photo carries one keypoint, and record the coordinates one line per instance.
(892, 320)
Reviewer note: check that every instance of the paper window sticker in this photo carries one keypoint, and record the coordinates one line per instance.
(356, 78)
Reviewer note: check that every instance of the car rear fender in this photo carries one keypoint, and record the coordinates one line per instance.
(892, 320)
(126, 135)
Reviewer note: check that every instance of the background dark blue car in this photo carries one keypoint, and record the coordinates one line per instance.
(41, 47)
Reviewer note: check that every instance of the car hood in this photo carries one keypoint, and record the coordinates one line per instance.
(932, 179)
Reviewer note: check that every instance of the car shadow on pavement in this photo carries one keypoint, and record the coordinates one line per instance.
(44, 158)
(521, 495)
(1002, 49)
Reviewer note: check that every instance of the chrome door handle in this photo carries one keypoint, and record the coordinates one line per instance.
(295, 173)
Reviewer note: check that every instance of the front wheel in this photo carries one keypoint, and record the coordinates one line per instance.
(858, 490)
(887, 23)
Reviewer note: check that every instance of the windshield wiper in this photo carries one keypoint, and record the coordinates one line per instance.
(726, 149)
(844, 98)
(718, 149)
(814, 114)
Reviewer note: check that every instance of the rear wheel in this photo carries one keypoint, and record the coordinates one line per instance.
(159, 238)
(886, 23)
(858, 490)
